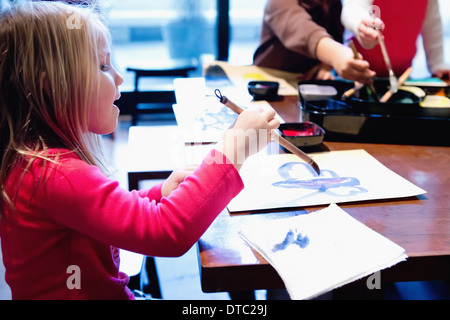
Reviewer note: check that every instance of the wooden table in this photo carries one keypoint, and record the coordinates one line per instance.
(421, 225)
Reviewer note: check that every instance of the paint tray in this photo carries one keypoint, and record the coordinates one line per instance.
(361, 118)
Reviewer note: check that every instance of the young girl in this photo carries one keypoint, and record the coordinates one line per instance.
(60, 213)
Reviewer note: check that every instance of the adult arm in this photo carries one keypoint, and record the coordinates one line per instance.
(294, 27)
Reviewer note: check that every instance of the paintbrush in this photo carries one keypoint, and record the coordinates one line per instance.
(358, 86)
(282, 141)
(356, 56)
(392, 79)
(401, 80)
(352, 91)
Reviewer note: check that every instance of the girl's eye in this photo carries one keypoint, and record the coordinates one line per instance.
(105, 67)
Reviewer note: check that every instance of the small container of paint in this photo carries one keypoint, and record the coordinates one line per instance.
(263, 90)
(302, 134)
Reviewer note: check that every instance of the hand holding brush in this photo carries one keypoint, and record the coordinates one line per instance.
(358, 86)
(289, 146)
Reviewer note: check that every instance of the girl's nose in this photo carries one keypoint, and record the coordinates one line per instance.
(118, 79)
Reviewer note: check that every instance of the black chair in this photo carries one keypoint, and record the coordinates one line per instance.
(160, 96)
(147, 99)
(147, 280)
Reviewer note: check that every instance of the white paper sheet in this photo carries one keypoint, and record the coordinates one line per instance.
(283, 181)
(325, 250)
(201, 116)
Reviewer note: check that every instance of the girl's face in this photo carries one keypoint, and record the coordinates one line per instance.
(103, 113)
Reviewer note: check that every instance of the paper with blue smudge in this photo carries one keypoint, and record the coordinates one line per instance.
(333, 249)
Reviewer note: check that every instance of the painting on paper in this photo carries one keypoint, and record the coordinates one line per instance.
(283, 181)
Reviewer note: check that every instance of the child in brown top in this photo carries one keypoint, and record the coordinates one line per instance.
(304, 36)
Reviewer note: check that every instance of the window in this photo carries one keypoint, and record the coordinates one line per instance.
(149, 31)
(143, 30)
(246, 18)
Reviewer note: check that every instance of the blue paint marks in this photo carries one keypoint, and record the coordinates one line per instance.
(322, 183)
(219, 120)
(292, 238)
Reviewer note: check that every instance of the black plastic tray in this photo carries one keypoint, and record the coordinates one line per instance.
(361, 118)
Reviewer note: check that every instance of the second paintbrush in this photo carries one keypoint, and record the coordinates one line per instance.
(282, 141)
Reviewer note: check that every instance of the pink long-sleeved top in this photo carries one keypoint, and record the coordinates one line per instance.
(71, 214)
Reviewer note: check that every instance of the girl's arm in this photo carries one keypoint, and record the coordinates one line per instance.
(432, 36)
(80, 197)
(353, 11)
(153, 193)
(356, 18)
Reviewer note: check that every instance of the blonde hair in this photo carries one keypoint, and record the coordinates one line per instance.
(48, 65)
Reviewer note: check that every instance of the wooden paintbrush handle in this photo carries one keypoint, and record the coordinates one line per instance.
(230, 104)
(383, 50)
(353, 90)
(401, 80)
(282, 141)
(299, 153)
(355, 52)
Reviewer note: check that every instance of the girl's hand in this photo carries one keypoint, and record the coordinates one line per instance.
(251, 132)
(175, 178)
(368, 33)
